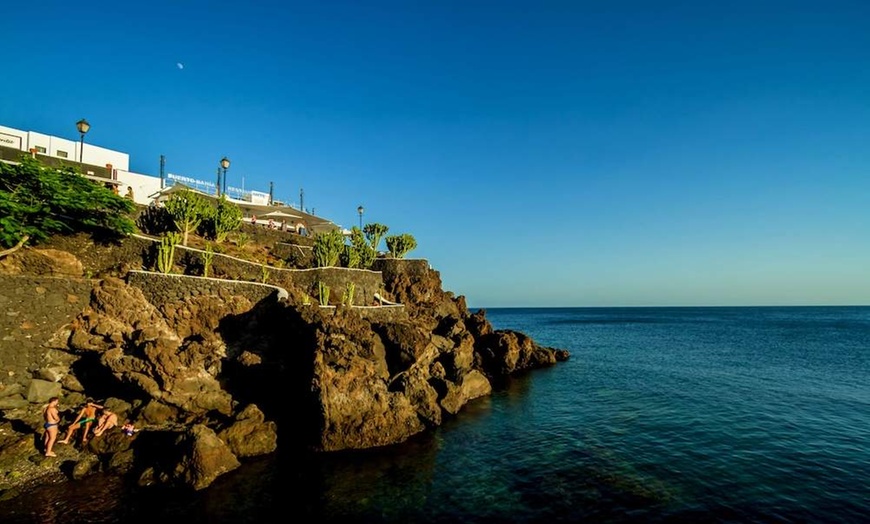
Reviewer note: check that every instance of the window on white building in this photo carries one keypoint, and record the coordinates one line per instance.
(40, 149)
(62, 154)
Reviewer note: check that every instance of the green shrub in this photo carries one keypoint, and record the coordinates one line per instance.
(37, 201)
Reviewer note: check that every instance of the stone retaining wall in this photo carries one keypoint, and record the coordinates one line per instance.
(366, 282)
(295, 255)
(161, 289)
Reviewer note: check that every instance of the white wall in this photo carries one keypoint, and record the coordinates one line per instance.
(143, 185)
(16, 138)
(94, 155)
(100, 156)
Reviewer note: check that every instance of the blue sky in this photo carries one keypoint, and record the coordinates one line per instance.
(542, 153)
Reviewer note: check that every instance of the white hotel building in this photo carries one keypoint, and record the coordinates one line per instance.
(97, 163)
(113, 168)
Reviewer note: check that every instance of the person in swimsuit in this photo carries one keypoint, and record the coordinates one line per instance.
(52, 419)
(128, 428)
(107, 421)
(86, 417)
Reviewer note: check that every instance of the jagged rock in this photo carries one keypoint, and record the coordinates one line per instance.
(52, 374)
(357, 409)
(251, 435)
(472, 386)
(158, 413)
(71, 383)
(86, 465)
(249, 359)
(42, 262)
(13, 402)
(40, 391)
(505, 352)
(10, 389)
(478, 325)
(204, 458)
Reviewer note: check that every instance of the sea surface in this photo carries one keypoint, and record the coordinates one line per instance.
(660, 415)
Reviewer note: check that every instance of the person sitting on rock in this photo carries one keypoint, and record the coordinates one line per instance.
(108, 420)
(128, 428)
(86, 417)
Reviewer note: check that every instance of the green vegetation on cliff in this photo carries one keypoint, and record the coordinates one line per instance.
(37, 201)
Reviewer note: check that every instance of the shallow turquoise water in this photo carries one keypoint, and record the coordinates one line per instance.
(660, 415)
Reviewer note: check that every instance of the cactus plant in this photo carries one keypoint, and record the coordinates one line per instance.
(166, 251)
(207, 258)
(323, 292)
(400, 245)
(327, 248)
(349, 292)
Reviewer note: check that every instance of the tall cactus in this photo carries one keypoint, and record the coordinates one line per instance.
(349, 292)
(166, 251)
(207, 258)
(323, 292)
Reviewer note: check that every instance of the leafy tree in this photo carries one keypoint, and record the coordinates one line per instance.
(187, 210)
(225, 218)
(400, 245)
(37, 201)
(374, 234)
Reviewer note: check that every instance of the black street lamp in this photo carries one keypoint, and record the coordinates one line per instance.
(83, 126)
(225, 164)
(360, 211)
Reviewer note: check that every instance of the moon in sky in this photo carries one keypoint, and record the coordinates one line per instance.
(179, 65)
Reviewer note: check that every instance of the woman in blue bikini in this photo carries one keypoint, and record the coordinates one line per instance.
(52, 419)
(86, 417)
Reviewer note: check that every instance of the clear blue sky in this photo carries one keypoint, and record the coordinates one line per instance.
(542, 153)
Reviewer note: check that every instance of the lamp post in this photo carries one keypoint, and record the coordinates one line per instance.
(225, 164)
(360, 211)
(83, 126)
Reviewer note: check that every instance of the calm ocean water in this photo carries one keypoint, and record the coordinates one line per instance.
(660, 415)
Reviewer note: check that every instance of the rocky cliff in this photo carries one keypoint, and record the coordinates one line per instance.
(212, 378)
